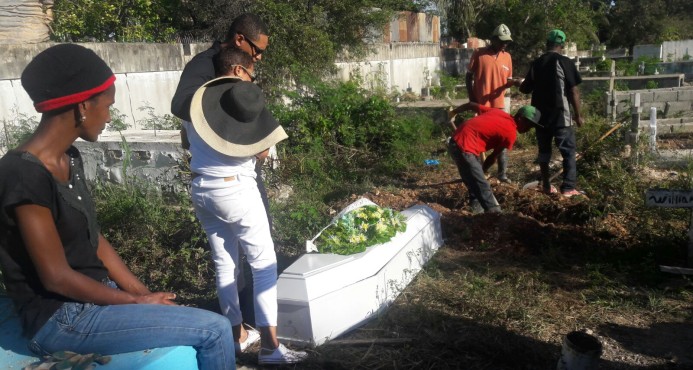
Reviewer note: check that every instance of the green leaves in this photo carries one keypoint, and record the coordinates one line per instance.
(114, 20)
(359, 229)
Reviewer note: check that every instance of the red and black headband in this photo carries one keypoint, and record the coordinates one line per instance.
(65, 74)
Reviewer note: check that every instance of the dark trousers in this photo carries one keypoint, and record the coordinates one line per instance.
(564, 139)
(472, 174)
(503, 164)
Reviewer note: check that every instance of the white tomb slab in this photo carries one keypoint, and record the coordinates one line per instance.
(324, 295)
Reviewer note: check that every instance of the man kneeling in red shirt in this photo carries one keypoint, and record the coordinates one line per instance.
(491, 129)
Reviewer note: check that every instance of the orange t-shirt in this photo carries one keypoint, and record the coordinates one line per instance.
(491, 72)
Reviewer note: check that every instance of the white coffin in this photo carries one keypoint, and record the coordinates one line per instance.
(324, 295)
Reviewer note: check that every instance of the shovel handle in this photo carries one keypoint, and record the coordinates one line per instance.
(581, 154)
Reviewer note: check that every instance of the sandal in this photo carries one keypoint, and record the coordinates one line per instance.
(551, 190)
(572, 193)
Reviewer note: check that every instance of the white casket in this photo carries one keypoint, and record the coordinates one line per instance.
(324, 295)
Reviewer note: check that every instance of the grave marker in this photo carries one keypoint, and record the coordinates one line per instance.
(674, 199)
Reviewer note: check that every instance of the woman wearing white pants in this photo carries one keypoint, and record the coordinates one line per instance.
(231, 130)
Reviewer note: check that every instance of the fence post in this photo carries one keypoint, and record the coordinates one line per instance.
(653, 129)
(632, 136)
(612, 76)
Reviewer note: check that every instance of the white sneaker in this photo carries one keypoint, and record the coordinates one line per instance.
(279, 356)
(252, 338)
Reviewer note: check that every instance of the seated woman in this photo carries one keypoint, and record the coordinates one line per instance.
(70, 288)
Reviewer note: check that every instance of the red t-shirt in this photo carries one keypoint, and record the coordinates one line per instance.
(491, 129)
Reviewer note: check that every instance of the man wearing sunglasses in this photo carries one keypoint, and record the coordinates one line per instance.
(247, 32)
(250, 34)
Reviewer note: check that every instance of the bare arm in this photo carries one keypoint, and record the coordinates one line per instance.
(491, 159)
(117, 271)
(469, 84)
(46, 251)
(465, 107)
(574, 99)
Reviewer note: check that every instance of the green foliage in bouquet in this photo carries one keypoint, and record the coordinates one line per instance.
(359, 229)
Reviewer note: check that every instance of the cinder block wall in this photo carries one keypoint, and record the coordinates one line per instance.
(670, 102)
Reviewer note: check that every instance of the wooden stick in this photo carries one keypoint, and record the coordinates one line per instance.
(368, 342)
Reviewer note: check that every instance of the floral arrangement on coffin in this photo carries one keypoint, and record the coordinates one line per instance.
(359, 229)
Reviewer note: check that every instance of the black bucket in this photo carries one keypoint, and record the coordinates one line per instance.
(580, 351)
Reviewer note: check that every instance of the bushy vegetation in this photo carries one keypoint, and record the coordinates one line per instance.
(342, 140)
(158, 237)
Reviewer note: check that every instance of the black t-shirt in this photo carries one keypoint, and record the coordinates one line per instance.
(550, 79)
(25, 180)
(196, 73)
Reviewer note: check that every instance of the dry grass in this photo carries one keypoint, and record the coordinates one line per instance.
(503, 291)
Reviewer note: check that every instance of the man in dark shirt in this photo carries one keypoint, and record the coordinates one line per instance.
(553, 80)
(247, 32)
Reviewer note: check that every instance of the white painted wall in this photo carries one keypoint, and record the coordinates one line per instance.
(649, 50)
(673, 51)
(148, 76)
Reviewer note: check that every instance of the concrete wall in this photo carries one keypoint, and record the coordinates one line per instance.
(454, 61)
(155, 156)
(147, 74)
(397, 66)
(649, 51)
(590, 84)
(25, 20)
(669, 102)
(685, 67)
(673, 51)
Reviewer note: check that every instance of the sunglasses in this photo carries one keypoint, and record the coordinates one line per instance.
(251, 75)
(256, 49)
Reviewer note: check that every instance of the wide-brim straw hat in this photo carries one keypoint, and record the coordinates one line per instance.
(231, 117)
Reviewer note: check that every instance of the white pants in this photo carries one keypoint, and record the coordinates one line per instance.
(232, 214)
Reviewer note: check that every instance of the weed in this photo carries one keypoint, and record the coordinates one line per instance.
(118, 121)
(161, 241)
(448, 87)
(157, 122)
(16, 130)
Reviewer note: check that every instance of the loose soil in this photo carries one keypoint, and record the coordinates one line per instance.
(552, 250)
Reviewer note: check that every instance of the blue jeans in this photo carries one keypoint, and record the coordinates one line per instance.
(472, 173)
(89, 328)
(564, 139)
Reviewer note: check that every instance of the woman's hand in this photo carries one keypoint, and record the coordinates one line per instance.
(157, 298)
(262, 155)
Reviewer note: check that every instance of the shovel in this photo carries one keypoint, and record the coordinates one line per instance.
(535, 184)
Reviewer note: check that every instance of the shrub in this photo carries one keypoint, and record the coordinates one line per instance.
(159, 239)
(16, 130)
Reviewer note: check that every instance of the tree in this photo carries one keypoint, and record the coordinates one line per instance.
(636, 22)
(113, 20)
(530, 22)
(307, 36)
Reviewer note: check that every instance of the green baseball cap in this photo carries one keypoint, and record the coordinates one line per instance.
(531, 113)
(556, 36)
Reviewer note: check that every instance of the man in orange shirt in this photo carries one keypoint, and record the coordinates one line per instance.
(489, 74)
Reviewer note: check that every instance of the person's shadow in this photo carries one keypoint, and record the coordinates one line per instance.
(13, 346)
(672, 340)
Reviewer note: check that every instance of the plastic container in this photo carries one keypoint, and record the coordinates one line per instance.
(580, 351)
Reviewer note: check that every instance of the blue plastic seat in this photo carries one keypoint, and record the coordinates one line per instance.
(14, 353)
